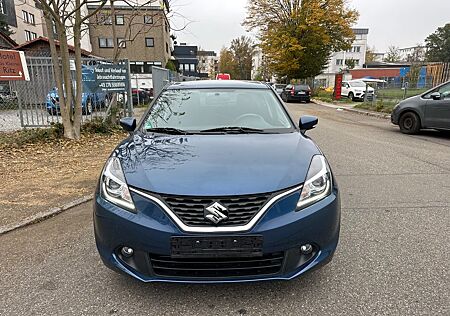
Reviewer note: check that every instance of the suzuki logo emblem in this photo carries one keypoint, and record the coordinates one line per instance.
(216, 213)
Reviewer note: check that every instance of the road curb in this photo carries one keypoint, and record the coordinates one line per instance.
(39, 217)
(361, 112)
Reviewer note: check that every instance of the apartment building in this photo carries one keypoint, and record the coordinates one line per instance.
(24, 17)
(354, 58)
(143, 35)
(208, 63)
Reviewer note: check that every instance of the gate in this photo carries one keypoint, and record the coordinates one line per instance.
(28, 104)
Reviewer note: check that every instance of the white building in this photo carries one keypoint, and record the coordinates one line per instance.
(208, 63)
(257, 60)
(339, 60)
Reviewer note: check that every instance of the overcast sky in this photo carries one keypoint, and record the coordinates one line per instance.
(391, 22)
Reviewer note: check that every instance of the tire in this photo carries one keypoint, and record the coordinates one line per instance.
(88, 107)
(351, 96)
(409, 123)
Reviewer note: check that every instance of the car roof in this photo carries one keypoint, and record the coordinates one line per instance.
(218, 84)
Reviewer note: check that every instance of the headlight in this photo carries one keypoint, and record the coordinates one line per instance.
(114, 186)
(318, 182)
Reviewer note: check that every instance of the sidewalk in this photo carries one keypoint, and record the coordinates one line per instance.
(349, 107)
(43, 179)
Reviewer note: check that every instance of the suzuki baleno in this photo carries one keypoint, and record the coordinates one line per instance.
(216, 184)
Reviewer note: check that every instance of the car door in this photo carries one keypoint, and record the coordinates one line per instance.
(286, 91)
(344, 88)
(437, 112)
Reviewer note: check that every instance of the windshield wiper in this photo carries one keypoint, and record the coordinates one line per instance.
(167, 130)
(233, 129)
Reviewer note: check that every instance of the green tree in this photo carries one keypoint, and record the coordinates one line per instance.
(243, 50)
(4, 27)
(438, 45)
(227, 63)
(298, 36)
(370, 54)
(392, 55)
(350, 63)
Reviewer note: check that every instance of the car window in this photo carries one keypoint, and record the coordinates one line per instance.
(358, 84)
(302, 87)
(288, 87)
(345, 85)
(201, 109)
(445, 91)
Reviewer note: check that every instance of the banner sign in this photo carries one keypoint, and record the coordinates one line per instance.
(105, 78)
(13, 65)
(338, 86)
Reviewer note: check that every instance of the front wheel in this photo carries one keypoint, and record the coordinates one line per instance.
(409, 123)
(351, 96)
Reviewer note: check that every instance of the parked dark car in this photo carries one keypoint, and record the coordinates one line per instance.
(142, 96)
(216, 184)
(428, 110)
(296, 92)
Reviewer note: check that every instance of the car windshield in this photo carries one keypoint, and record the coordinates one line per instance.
(195, 110)
(360, 84)
(280, 86)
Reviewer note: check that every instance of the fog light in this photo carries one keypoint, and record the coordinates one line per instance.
(306, 249)
(127, 252)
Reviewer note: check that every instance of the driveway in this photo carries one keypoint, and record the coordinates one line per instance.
(392, 259)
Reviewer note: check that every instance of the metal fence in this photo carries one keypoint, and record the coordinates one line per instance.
(33, 103)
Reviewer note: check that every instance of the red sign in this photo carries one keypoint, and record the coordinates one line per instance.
(338, 86)
(13, 65)
(223, 76)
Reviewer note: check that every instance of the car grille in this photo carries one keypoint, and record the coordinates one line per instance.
(217, 267)
(241, 209)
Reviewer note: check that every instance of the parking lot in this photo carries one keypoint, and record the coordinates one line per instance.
(392, 258)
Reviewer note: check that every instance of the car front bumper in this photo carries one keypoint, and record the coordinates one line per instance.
(150, 229)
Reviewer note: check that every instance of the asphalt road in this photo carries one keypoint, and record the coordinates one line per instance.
(393, 257)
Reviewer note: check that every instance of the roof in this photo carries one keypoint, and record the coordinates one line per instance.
(46, 40)
(218, 84)
(360, 31)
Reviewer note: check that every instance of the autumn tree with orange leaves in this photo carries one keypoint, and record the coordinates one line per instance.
(298, 36)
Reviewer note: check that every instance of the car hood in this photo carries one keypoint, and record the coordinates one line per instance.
(213, 165)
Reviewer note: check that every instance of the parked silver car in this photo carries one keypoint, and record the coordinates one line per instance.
(428, 110)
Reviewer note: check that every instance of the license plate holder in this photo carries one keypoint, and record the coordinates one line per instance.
(216, 246)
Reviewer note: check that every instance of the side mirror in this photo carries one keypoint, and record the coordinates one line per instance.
(307, 122)
(435, 95)
(128, 123)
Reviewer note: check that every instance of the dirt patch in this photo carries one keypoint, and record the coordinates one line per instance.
(37, 177)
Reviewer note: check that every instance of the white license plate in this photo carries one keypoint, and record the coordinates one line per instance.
(301, 92)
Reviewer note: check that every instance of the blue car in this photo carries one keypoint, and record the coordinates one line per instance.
(216, 184)
(89, 101)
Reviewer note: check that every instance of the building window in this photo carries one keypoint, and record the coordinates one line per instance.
(120, 20)
(104, 19)
(2, 9)
(105, 42)
(339, 62)
(356, 49)
(149, 42)
(121, 42)
(192, 67)
(356, 62)
(25, 16)
(29, 36)
(148, 19)
(31, 17)
(167, 48)
(139, 67)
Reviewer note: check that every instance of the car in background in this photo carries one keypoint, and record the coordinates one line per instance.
(296, 92)
(356, 90)
(216, 184)
(279, 87)
(89, 102)
(223, 76)
(142, 96)
(430, 109)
